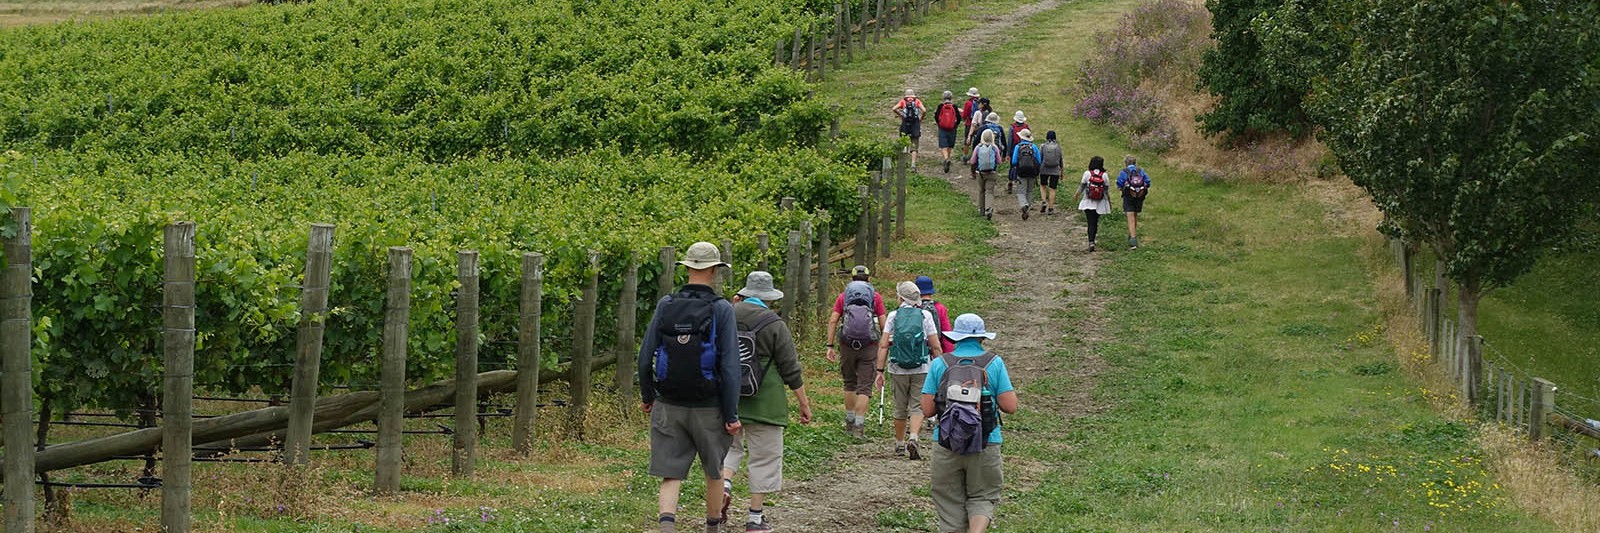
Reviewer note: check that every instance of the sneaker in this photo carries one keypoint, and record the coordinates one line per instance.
(727, 499)
(1008, 188)
(1133, 243)
(912, 451)
(667, 527)
(758, 527)
(1091, 246)
(859, 431)
(988, 213)
(947, 166)
(713, 527)
(900, 449)
(1025, 212)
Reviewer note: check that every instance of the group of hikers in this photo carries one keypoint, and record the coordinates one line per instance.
(713, 374)
(988, 147)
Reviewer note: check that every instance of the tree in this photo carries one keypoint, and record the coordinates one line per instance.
(1470, 123)
(1253, 97)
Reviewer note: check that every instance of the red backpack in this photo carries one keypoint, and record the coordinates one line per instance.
(1097, 185)
(947, 116)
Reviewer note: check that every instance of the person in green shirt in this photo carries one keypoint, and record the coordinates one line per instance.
(765, 414)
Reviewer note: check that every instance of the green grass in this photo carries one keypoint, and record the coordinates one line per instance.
(1548, 323)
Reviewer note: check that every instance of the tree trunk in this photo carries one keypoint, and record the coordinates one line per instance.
(1472, 364)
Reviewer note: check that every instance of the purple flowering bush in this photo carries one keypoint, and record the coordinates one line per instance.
(1157, 45)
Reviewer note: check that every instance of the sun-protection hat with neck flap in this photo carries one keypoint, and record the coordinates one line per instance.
(967, 326)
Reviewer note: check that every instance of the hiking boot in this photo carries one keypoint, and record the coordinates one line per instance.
(667, 527)
(859, 431)
(758, 527)
(900, 449)
(1008, 187)
(947, 166)
(1133, 243)
(727, 499)
(1091, 246)
(1025, 212)
(988, 213)
(713, 527)
(912, 451)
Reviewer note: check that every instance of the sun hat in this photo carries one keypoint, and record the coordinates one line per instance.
(759, 285)
(993, 117)
(860, 270)
(967, 326)
(908, 293)
(948, 96)
(1026, 134)
(925, 285)
(972, 91)
(910, 93)
(1019, 117)
(703, 255)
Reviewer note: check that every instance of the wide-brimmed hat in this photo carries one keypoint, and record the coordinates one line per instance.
(860, 270)
(703, 255)
(1019, 117)
(1026, 134)
(967, 326)
(925, 285)
(993, 117)
(908, 292)
(910, 92)
(759, 285)
(972, 92)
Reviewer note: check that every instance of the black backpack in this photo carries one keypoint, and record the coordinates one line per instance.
(911, 112)
(686, 356)
(751, 371)
(1027, 165)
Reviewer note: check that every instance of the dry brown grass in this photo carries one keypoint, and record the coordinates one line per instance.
(1537, 482)
(25, 12)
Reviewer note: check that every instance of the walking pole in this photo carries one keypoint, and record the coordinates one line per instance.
(880, 406)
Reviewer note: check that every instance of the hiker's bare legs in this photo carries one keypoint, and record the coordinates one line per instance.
(667, 498)
(977, 524)
(1133, 222)
(714, 497)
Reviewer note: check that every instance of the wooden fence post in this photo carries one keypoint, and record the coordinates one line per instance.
(730, 274)
(777, 53)
(848, 35)
(177, 376)
(834, 129)
(861, 33)
(863, 193)
(824, 263)
(818, 55)
(464, 445)
(900, 197)
(1544, 403)
(627, 329)
(870, 259)
(762, 243)
(529, 353)
(16, 373)
(1472, 370)
(308, 345)
(1430, 317)
(583, 349)
(791, 276)
(885, 214)
(794, 52)
(838, 39)
(667, 281)
(803, 299)
(877, 23)
(392, 373)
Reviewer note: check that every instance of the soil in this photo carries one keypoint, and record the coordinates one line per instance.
(1043, 268)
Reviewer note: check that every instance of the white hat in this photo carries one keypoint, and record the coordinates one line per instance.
(759, 285)
(1026, 134)
(910, 92)
(908, 292)
(703, 255)
(973, 92)
(1019, 117)
(993, 118)
(967, 326)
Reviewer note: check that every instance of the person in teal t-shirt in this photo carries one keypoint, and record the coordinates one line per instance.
(966, 488)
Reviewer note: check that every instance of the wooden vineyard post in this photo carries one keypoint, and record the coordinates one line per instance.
(900, 198)
(528, 349)
(177, 376)
(666, 282)
(824, 263)
(869, 258)
(392, 373)
(886, 212)
(627, 318)
(16, 373)
(818, 55)
(877, 24)
(1544, 403)
(762, 243)
(308, 345)
(794, 50)
(860, 252)
(848, 36)
(777, 53)
(1472, 370)
(833, 125)
(583, 349)
(464, 445)
(837, 39)
(802, 298)
(791, 276)
(861, 27)
(729, 274)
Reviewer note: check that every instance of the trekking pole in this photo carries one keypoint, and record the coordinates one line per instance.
(880, 406)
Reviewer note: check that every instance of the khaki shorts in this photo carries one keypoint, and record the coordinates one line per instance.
(965, 485)
(678, 434)
(762, 444)
(858, 368)
(907, 394)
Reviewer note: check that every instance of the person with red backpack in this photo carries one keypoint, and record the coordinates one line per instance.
(1135, 185)
(968, 111)
(853, 331)
(1094, 196)
(947, 116)
(968, 389)
(910, 110)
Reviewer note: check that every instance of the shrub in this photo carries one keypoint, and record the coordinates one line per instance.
(1158, 44)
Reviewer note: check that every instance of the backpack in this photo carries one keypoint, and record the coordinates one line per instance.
(859, 322)
(1052, 158)
(1000, 137)
(965, 417)
(751, 372)
(686, 357)
(1138, 184)
(1097, 186)
(1027, 165)
(988, 159)
(909, 111)
(947, 116)
(910, 348)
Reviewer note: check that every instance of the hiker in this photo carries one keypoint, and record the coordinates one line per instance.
(968, 389)
(968, 112)
(911, 339)
(910, 110)
(1135, 185)
(1025, 164)
(772, 363)
(689, 382)
(985, 159)
(1094, 196)
(980, 118)
(853, 343)
(941, 315)
(1019, 122)
(1049, 172)
(947, 117)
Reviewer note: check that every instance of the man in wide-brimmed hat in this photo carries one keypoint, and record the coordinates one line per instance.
(965, 463)
(689, 382)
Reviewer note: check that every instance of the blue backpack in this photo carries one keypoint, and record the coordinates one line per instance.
(686, 356)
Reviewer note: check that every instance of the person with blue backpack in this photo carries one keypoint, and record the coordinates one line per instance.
(969, 389)
(985, 159)
(853, 343)
(1135, 185)
(911, 339)
(689, 383)
(1025, 164)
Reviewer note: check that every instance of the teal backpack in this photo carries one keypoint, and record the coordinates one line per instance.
(910, 348)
